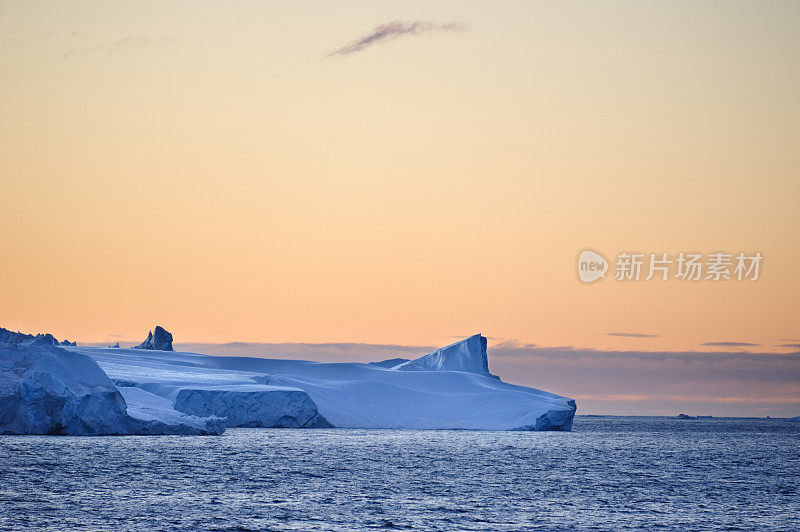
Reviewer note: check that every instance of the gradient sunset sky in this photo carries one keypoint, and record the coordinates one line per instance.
(216, 167)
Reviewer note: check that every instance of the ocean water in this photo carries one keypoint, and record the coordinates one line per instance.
(609, 473)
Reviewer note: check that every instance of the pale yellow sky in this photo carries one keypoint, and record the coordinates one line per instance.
(206, 167)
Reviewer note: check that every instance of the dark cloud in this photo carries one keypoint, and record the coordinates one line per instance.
(790, 346)
(632, 335)
(730, 344)
(510, 345)
(392, 30)
(731, 383)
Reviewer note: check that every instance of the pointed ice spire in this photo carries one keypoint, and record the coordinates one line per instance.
(160, 340)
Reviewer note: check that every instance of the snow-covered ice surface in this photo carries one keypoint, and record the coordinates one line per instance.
(448, 389)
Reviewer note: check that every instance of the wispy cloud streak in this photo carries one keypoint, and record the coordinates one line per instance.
(391, 31)
(632, 335)
(130, 41)
(729, 344)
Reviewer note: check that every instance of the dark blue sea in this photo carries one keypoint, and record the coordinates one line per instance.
(609, 473)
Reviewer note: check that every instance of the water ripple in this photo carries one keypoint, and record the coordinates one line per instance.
(610, 473)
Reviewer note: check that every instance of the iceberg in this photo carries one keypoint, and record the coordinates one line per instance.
(450, 388)
(46, 388)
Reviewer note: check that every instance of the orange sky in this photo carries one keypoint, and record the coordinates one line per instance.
(206, 167)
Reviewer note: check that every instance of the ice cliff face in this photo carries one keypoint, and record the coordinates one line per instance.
(51, 391)
(259, 406)
(159, 340)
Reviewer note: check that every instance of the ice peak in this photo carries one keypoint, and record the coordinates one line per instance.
(465, 355)
(159, 339)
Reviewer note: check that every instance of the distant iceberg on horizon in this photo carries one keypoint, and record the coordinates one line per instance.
(46, 388)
